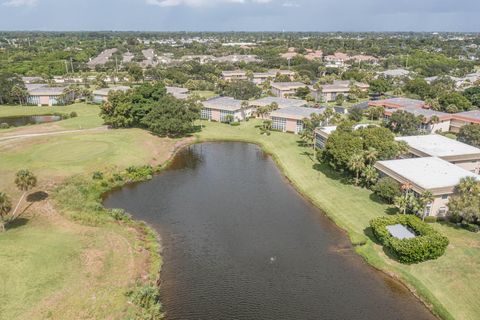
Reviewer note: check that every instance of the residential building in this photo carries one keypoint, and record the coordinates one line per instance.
(234, 75)
(431, 173)
(284, 89)
(463, 118)
(101, 95)
(394, 73)
(361, 58)
(397, 103)
(281, 102)
(290, 119)
(218, 109)
(337, 59)
(453, 151)
(314, 54)
(330, 92)
(261, 77)
(29, 80)
(432, 121)
(102, 58)
(43, 95)
(322, 134)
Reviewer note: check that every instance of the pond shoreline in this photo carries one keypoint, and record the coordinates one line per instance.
(194, 140)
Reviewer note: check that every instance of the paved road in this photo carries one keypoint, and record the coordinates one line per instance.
(34, 135)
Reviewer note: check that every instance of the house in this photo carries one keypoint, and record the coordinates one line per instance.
(463, 118)
(330, 92)
(29, 80)
(218, 109)
(290, 119)
(43, 95)
(102, 58)
(101, 95)
(431, 173)
(322, 134)
(394, 73)
(338, 59)
(453, 151)
(432, 121)
(234, 75)
(284, 89)
(360, 58)
(398, 103)
(261, 77)
(281, 102)
(314, 54)
(178, 92)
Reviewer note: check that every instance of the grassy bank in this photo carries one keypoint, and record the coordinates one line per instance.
(445, 284)
(58, 267)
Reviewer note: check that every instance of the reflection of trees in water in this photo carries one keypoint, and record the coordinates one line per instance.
(261, 155)
(189, 158)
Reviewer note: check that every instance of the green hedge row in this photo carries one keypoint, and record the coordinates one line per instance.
(429, 244)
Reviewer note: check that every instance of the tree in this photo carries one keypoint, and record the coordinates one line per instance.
(387, 188)
(448, 99)
(172, 117)
(241, 90)
(470, 134)
(340, 147)
(473, 95)
(302, 92)
(418, 87)
(309, 126)
(465, 202)
(356, 164)
(25, 181)
(425, 199)
(339, 99)
(7, 82)
(374, 113)
(380, 86)
(20, 93)
(369, 175)
(355, 114)
(404, 123)
(135, 71)
(5, 208)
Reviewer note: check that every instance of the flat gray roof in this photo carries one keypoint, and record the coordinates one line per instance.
(282, 102)
(428, 173)
(223, 103)
(401, 232)
(403, 102)
(288, 85)
(296, 112)
(106, 91)
(439, 146)
(46, 91)
(473, 114)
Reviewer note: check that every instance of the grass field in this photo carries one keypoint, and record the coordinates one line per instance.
(52, 267)
(448, 283)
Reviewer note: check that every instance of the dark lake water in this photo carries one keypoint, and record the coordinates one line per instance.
(240, 243)
(26, 120)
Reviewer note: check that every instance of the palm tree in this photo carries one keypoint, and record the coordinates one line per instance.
(402, 148)
(370, 155)
(425, 199)
(468, 185)
(5, 207)
(356, 164)
(25, 180)
(369, 175)
(245, 105)
(401, 203)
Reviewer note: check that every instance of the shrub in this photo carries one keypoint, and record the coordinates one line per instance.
(430, 219)
(235, 124)
(4, 125)
(470, 227)
(97, 175)
(428, 243)
(73, 114)
(119, 214)
(147, 298)
(387, 188)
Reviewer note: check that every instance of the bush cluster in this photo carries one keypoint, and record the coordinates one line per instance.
(428, 244)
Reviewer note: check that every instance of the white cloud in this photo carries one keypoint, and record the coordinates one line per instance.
(290, 4)
(20, 3)
(199, 3)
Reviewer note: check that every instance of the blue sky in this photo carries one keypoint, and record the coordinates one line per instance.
(238, 15)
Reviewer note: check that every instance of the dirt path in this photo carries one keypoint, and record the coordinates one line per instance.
(34, 135)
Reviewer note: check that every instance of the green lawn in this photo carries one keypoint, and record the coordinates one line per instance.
(204, 94)
(87, 115)
(449, 283)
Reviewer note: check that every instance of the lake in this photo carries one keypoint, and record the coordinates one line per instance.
(26, 120)
(239, 242)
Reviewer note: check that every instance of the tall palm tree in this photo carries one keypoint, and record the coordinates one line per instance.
(401, 203)
(425, 199)
(370, 155)
(24, 180)
(468, 185)
(5, 207)
(356, 164)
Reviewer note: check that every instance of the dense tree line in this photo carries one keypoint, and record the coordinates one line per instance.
(150, 107)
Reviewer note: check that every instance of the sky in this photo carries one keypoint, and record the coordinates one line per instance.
(241, 15)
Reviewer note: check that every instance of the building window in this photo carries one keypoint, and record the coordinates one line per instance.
(224, 114)
(279, 124)
(444, 196)
(206, 114)
(300, 126)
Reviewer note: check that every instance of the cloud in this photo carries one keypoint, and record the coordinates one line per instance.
(199, 3)
(20, 3)
(289, 4)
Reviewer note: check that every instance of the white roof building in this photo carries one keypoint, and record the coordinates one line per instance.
(435, 145)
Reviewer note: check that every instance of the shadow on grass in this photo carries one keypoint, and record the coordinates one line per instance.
(330, 173)
(369, 233)
(17, 223)
(37, 196)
